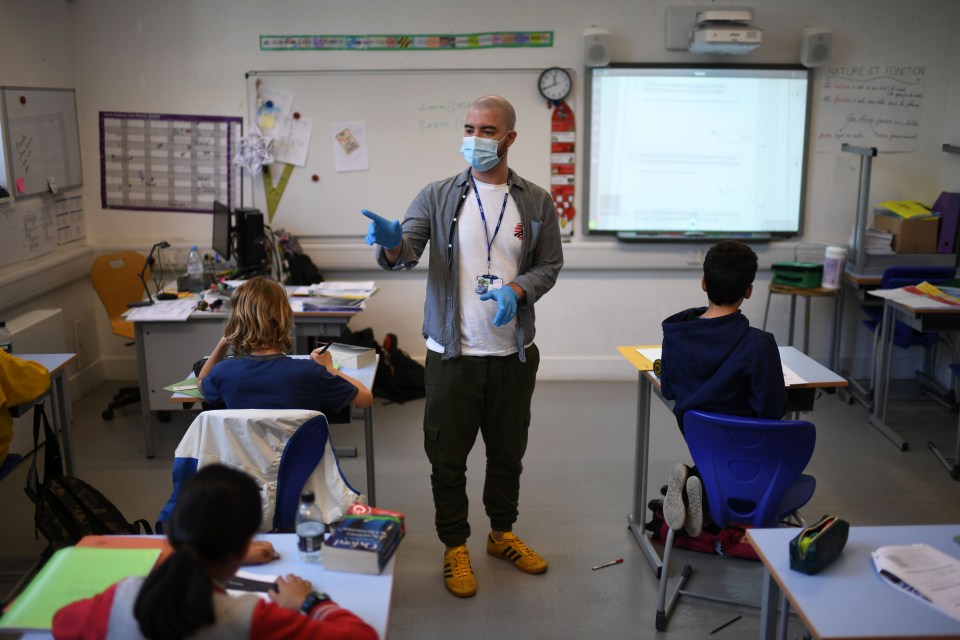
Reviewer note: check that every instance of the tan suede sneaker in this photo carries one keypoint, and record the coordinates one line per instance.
(458, 575)
(514, 550)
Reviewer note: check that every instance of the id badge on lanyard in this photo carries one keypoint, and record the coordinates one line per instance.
(488, 281)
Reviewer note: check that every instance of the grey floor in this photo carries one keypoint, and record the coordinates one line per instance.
(576, 491)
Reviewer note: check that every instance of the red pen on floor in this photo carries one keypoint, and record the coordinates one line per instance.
(608, 564)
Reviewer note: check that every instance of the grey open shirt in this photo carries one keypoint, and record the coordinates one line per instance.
(433, 216)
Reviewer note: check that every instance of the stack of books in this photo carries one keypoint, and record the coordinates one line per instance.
(363, 543)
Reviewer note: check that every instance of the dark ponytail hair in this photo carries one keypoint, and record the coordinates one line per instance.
(214, 518)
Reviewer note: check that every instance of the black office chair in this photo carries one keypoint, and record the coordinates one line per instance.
(116, 279)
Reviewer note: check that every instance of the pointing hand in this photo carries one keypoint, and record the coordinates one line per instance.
(383, 232)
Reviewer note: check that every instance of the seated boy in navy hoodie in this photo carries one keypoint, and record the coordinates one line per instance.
(713, 360)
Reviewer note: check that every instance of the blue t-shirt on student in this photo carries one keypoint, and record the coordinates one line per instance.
(276, 382)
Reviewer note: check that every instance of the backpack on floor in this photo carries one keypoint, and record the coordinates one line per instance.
(729, 541)
(68, 508)
(399, 377)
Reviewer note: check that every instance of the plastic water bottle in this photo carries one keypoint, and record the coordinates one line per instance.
(310, 528)
(195, 270)
(834, 258)
(6, 340)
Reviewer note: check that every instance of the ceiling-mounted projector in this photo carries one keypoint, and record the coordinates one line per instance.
(729, 31)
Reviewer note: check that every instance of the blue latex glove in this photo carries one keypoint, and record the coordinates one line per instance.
(383, 232)
(506, 299)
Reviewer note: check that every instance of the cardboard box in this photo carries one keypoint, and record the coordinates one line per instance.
(914, 235)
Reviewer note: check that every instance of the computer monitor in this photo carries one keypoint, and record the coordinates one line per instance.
(222, 236)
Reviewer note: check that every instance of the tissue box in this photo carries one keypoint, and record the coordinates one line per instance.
(802, 275)
(910, 235)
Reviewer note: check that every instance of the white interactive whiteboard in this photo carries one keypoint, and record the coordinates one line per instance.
(413, 127)
(42, 139)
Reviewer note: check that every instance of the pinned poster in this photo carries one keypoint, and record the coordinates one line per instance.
(272, 102)
(350, 146)
(291, 139)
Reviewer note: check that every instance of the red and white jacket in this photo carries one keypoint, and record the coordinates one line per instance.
(109, 616)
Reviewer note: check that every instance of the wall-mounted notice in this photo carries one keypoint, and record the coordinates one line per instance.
(26, 232)
(870, 106)
(165, 162)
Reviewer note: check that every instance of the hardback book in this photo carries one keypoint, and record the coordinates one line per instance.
(357, 509)
(361, 544)
(352, 356)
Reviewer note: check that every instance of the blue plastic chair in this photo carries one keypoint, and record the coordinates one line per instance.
(752, 474)
(300, 457)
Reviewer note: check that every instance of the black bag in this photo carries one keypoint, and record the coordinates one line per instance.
(301, 270)
(68, 508)
(399, 377)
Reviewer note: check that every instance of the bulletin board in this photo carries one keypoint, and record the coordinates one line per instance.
(41, 138)
(412, 123)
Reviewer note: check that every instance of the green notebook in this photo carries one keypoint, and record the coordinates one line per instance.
(72, 574)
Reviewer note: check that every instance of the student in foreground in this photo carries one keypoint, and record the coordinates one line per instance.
(258, 331)
(713, 360)
(212, 528)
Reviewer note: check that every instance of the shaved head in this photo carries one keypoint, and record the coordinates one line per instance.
(500, 104)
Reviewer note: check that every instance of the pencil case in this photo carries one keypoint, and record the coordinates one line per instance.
(814, 548)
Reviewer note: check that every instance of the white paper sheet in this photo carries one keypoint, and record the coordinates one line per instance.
(923, 572)
(172, 310)
(291, 139)
(350, 145)
(651, 353)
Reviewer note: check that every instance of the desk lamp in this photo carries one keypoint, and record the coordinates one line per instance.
(149, 263)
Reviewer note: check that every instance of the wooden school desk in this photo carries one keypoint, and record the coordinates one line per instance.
(365, 375)
(918, 312)
(799, 398)
(55, 363)
(848, 599)
(166, 349)
(367, 596)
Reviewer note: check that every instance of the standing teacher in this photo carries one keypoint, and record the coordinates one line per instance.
(494, 251)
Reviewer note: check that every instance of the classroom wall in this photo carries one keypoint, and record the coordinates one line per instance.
(190, 57)
(36, 50)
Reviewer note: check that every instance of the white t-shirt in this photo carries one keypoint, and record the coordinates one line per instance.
(479, 336)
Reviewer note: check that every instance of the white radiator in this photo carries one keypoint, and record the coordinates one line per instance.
(37, 331)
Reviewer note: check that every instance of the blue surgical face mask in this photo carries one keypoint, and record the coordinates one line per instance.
(481, 153)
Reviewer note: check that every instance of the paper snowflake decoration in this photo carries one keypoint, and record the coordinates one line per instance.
(254, 151)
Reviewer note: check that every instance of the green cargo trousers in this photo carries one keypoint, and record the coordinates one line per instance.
(465, 395)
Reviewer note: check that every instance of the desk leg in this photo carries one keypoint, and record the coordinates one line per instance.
(768, 606)
(61, 419)
(635, 520)
(793, 318)
(144, 390)
(878, 418)
(368, 446)
(837, 327)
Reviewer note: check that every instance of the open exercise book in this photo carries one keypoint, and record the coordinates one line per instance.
(74, 573)
(923, 572)
(790, 376)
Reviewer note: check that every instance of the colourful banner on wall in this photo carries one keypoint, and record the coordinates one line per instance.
(407, 42)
